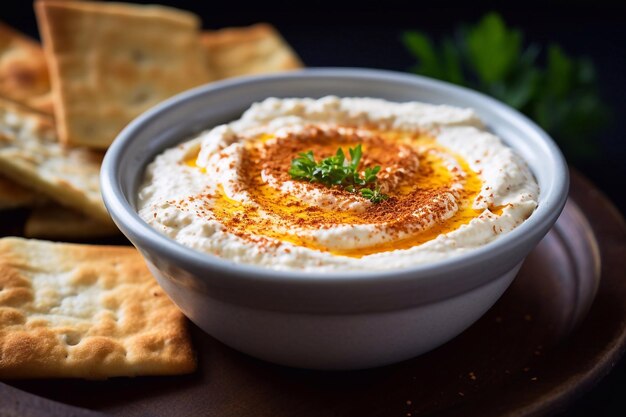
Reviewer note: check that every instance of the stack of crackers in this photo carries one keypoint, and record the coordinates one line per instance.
(69, 310)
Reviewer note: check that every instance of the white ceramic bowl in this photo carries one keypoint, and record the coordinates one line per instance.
(342, 320)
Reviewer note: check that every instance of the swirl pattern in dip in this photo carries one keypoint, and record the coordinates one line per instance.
(452, 186)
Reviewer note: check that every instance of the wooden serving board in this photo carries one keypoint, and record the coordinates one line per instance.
(543, 344)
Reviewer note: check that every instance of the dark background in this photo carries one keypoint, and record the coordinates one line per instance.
(367, 34)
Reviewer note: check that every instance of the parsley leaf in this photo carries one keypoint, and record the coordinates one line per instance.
(303, 166)
(338, 171)
(561, 95)
(444, 65)
(375, 196)
(493, 49)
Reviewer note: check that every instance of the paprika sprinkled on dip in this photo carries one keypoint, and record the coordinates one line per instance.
(339, 183)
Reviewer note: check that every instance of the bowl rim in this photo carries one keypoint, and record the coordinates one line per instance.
(137, 230)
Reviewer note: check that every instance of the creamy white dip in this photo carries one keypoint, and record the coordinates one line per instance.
(226, 193)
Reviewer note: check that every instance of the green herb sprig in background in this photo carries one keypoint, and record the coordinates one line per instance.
(561, 95)
(338, 171)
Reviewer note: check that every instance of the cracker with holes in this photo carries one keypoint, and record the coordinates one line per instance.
(249, 50)
(109, 62)
(81, 311)
(31, 156)
(52, 221)
(23, 70)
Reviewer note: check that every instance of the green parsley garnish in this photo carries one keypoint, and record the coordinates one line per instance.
(338, 171)
(375, 196)
(558, 91)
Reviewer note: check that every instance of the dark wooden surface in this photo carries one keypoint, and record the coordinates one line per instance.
(533, 353)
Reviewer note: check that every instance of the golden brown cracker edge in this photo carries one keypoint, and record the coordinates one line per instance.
(109, 62)
(52, 221)
(13, 195)
(31, 156)
(248, 50)
(23, 70)
(83, 311)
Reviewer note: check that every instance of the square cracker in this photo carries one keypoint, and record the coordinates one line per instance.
(109, 62)
(31, 156)
(56, 222)
(249, 50)
(84, 311)
(23, 70)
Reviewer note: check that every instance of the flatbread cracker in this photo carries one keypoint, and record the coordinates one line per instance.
(249, 50)
(109, 62)
(23, 70)
(83, 311)
(30, 155)
(57, 222)
(13, 195)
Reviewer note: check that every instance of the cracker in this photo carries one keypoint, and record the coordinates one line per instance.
(57, 222)
(249, 50)
(23, 70)
(13, 195)
(83, 311)
(31, 156)
(109, 62)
